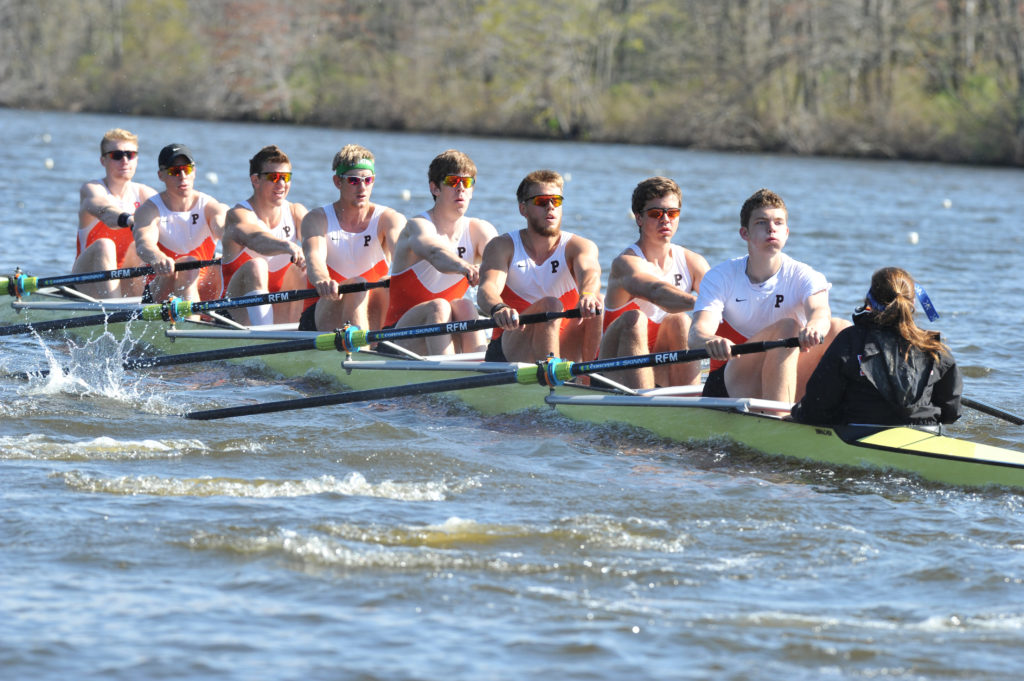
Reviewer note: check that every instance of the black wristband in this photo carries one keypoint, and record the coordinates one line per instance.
(499, 306)
(125, 220)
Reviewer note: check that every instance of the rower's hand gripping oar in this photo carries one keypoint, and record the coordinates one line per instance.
(549, 372)
(178, 309)
(20, 285)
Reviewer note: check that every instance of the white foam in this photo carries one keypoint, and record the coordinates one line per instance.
(354, 484)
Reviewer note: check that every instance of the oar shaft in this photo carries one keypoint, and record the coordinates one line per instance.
(676, 357)
(455, 327)
(179, 309)
(463, 383)
(222, 353)
(31, 284)
(72, 323)
(186, 308)
(992, 411)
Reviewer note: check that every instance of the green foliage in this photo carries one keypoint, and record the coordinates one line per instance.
(839, 77)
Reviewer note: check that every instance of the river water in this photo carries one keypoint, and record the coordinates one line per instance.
(415, 539)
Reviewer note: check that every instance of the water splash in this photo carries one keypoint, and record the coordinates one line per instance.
(91, 369)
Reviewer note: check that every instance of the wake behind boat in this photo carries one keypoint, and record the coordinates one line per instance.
(680, 414)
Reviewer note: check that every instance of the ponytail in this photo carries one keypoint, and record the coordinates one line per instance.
(891, 303)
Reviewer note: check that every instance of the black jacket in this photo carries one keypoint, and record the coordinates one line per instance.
(863, 378)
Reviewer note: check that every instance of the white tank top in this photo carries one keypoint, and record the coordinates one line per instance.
(532, 281)
(353, 254)
(182, 232)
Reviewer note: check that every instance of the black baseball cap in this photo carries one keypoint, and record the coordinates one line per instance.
(168, 154)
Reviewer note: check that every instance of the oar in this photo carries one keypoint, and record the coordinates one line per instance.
(549, 372)
(179, 309)
(22, 285)
(992, 411)
(343, 340)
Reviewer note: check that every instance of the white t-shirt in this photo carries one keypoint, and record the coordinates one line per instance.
(747, 307)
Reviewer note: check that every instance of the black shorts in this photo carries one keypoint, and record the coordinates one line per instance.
(714, 386)
(307, 322)
(495, 353)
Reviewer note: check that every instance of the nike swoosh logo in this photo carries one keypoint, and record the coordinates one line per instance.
(741, 300)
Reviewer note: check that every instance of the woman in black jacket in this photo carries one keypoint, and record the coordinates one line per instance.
(884, 369)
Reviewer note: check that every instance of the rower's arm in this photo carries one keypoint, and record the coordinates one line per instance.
(391, 224)
(96, 201)
(216, 215)
(241, 227)
(314, 247)
(299, 214)
(628, 273)
(819, 319)
(423, 240)
(147, 239)
(586, 270)
(703, 334)
(493, 274)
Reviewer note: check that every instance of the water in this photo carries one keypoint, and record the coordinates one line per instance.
(419, 540)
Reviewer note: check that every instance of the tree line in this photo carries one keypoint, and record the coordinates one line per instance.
(918, 79)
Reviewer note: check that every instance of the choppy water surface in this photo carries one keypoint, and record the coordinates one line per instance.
(419, 540)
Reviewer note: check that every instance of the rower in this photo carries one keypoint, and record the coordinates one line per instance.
(348, 241)
(437, 258)
(261, 244)
(106, 214)
(177, 225)
(762, 296)
(653, 283)
(541, 269)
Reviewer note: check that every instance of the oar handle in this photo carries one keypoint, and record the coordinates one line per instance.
(561, 371)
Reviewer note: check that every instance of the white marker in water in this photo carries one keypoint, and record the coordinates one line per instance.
(47, 138)
(406, 194)
(946, 203)
(912, 237)
(48, 163)
(212, 177)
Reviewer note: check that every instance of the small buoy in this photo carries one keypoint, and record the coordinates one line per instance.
(47, 138)
(406, 194)
(567, 177)
(946, 203)
(912, 237)
(48, 163)
(212, 177)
